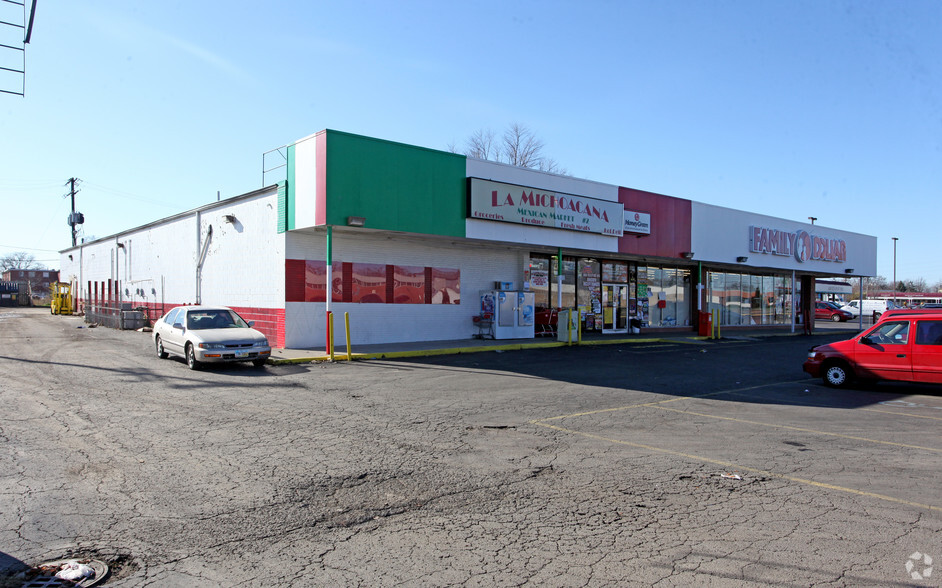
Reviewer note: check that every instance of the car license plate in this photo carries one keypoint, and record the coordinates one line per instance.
(241, 353)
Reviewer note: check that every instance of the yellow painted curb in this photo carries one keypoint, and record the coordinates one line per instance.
(697, 340)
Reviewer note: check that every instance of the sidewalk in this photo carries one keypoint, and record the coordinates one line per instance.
(451, 347)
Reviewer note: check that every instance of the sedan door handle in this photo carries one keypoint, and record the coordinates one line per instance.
(900, 355)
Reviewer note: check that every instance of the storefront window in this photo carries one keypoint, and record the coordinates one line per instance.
(749, 299)
(540, 280)
(569, 281)
(643, 290)
(614, 272)
(663, 296)
(590, 287)
(682, 296)
(732, 313)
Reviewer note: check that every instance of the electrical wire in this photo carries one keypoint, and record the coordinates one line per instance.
(29, 248)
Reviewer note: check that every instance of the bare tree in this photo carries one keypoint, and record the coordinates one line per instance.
(20, 260)
(871, 284)
(521, 147)
(518, 146)
(481, 145)
(548, 164)
(916, 285)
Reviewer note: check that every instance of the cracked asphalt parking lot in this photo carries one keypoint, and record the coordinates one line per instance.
(718, 464)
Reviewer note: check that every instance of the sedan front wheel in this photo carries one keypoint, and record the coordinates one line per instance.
(161, 353)
(191, 361)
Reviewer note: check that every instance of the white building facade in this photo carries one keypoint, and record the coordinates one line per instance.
(413, 236)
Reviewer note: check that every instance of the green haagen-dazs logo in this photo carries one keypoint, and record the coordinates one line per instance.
(919, 566)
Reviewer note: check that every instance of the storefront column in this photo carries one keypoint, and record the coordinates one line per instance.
(559, 278)
(330, 285)
(807, 304)
(700, 288)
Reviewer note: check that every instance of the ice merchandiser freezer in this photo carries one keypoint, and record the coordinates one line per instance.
(513, 313)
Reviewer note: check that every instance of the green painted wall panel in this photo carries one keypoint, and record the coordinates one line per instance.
(282, 206)
(396, 187)
(290, 196)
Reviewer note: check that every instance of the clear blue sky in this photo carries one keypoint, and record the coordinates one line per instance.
(801, 108)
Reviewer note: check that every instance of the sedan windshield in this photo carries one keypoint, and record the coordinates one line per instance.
(213, 319)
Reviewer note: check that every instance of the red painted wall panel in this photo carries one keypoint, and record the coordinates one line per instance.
(269, 321)
(670, 224)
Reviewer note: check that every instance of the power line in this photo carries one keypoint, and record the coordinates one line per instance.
(18, 248)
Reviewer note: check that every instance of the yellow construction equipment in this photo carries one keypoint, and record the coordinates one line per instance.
(61, 293)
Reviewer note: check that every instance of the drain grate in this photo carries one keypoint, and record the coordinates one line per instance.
(47, 582)
(45, 574)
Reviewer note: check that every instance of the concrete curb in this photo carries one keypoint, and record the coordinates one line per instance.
(695, 340)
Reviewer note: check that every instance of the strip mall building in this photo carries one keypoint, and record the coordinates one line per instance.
(415, 236)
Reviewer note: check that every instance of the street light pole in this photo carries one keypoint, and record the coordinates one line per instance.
(895, 239)
(812, 219)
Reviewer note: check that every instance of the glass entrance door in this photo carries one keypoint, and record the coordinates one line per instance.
(614, 308)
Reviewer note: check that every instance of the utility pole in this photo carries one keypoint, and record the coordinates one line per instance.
(72, 218)
(75, 218)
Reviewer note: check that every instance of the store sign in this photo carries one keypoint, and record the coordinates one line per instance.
(799, 244)
(528, 206)
(637, 222)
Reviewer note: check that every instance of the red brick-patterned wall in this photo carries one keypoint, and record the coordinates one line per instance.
(268, 321)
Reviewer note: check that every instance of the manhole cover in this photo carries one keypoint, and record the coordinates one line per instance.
(44, 575)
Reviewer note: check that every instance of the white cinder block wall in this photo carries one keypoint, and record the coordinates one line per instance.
(157, 264)
(245, 261)
(481, 265)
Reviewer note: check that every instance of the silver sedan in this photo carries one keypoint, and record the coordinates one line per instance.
(209, 334)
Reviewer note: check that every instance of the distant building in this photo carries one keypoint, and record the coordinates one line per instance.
(833, 290)
(36, 282)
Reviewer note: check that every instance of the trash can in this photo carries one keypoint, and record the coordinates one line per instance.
(705, 324)
(635, 325)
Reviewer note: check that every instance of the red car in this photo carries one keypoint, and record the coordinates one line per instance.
(903, 345)
(831, 312)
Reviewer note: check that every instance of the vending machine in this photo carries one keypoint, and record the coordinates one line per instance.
(512, 311)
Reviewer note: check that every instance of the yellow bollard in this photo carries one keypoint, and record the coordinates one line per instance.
(346, 322)
(330, 333)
